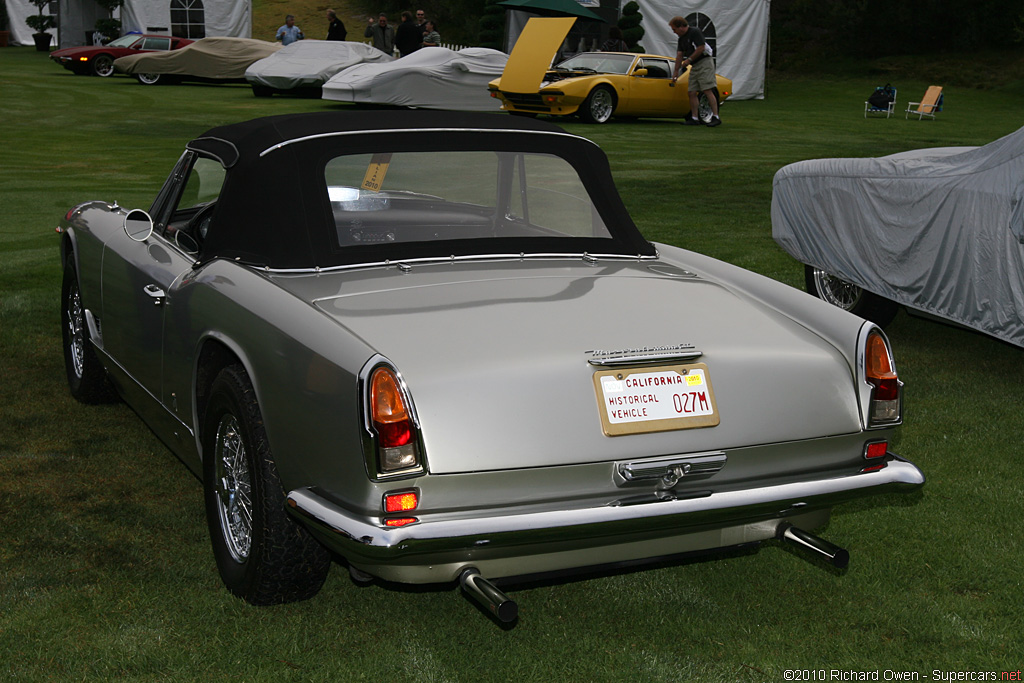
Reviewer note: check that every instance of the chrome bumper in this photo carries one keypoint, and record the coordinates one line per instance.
(464, 541)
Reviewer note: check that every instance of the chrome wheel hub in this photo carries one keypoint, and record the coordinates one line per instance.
(601, 105)
(233, 488)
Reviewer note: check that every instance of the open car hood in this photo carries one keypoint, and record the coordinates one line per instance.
(531, 57)
(497, 358)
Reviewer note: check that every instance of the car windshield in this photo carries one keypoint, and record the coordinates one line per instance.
(404, 197)
(600, 62)
(123, 41)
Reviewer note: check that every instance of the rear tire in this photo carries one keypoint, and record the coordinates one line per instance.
(87, 379)
(849, 297)
(263, 555)
(599, 105)
(704, 112)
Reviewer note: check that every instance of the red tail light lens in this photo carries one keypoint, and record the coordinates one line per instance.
(402, 501)
(876, 449)
(400, 521)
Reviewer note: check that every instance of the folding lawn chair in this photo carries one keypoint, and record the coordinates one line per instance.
(882, 101)
(930, 104)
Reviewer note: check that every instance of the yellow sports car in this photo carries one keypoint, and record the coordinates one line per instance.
(595, 85)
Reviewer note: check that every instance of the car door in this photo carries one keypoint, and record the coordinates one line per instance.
(138, 275)
(652, 93)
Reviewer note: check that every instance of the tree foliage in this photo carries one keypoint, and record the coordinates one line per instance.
(629, 22)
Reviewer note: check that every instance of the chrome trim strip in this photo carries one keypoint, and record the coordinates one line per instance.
(669, 470)
(457, 259)
(646, 359)
(391, 131)
(361, 536)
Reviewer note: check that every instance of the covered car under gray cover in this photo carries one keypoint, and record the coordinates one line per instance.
(309, 63)
(939, 230)
(431, 78)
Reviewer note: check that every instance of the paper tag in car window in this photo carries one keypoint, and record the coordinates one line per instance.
(378, 168)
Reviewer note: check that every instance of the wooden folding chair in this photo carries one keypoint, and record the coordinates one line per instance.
(930, 104)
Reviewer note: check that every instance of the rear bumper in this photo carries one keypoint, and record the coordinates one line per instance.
(437, 550)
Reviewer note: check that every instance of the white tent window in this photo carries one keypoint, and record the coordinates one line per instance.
(703, 23)
(188, 19)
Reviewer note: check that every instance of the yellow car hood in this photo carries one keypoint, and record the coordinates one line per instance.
(533, 52)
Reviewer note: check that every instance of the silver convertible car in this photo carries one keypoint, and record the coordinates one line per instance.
(435, 345)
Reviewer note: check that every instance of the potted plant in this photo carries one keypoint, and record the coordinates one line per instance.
(109, 27)
(40, 22)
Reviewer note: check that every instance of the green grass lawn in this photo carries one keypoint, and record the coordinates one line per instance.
(105, 566)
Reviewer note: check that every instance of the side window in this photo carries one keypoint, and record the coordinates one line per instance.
(156, 44)
(187, 221)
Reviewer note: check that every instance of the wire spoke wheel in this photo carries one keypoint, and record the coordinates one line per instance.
(233, 484)
(103, 65)
(837, 291)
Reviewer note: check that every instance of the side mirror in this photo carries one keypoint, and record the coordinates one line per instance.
(138, 225)
(640, 73)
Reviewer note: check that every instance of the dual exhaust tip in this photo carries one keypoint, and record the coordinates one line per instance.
(506, 610)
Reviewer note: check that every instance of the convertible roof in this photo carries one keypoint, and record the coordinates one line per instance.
(273, 210)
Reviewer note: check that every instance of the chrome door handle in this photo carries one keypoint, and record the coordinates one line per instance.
(155, 293)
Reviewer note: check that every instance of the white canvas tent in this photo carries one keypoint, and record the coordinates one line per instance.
(741, 31)
(76, 18)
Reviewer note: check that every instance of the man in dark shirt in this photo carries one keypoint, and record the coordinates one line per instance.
(335, 28)
(692, 51)
(408, 37)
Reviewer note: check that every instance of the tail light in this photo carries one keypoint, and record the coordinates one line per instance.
(884, 402)
(399, 502)
(391, 423)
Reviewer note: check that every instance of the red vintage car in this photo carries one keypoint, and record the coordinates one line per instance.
(99, 59)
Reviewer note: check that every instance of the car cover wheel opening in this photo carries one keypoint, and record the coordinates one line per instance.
(850, 297)
(599, 105)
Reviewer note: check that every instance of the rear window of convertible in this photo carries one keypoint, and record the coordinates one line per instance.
(433, 196)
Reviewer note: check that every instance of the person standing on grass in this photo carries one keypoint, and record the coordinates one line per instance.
(289, 33)
(691, 51)
(382, 34)
(409, 36)
(335, 27)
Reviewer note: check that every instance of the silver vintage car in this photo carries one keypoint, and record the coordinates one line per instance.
(436, 345)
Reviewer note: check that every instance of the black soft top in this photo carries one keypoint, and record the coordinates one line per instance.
(273, 209)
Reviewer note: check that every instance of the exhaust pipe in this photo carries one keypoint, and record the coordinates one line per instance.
(488, 595)
(836, 556)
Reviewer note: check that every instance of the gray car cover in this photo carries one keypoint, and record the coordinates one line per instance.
(939, 230)
(431, 78)
(309, 63)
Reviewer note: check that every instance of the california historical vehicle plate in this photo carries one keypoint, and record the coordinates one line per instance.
(655, 399)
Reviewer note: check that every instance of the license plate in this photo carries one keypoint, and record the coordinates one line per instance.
(655, 399)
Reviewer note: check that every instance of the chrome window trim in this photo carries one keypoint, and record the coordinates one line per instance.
(392, 131)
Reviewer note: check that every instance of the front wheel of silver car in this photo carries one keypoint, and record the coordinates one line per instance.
(148, 79)
(599, 105)
(263, 555)
(849, 297)
(87, 379)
